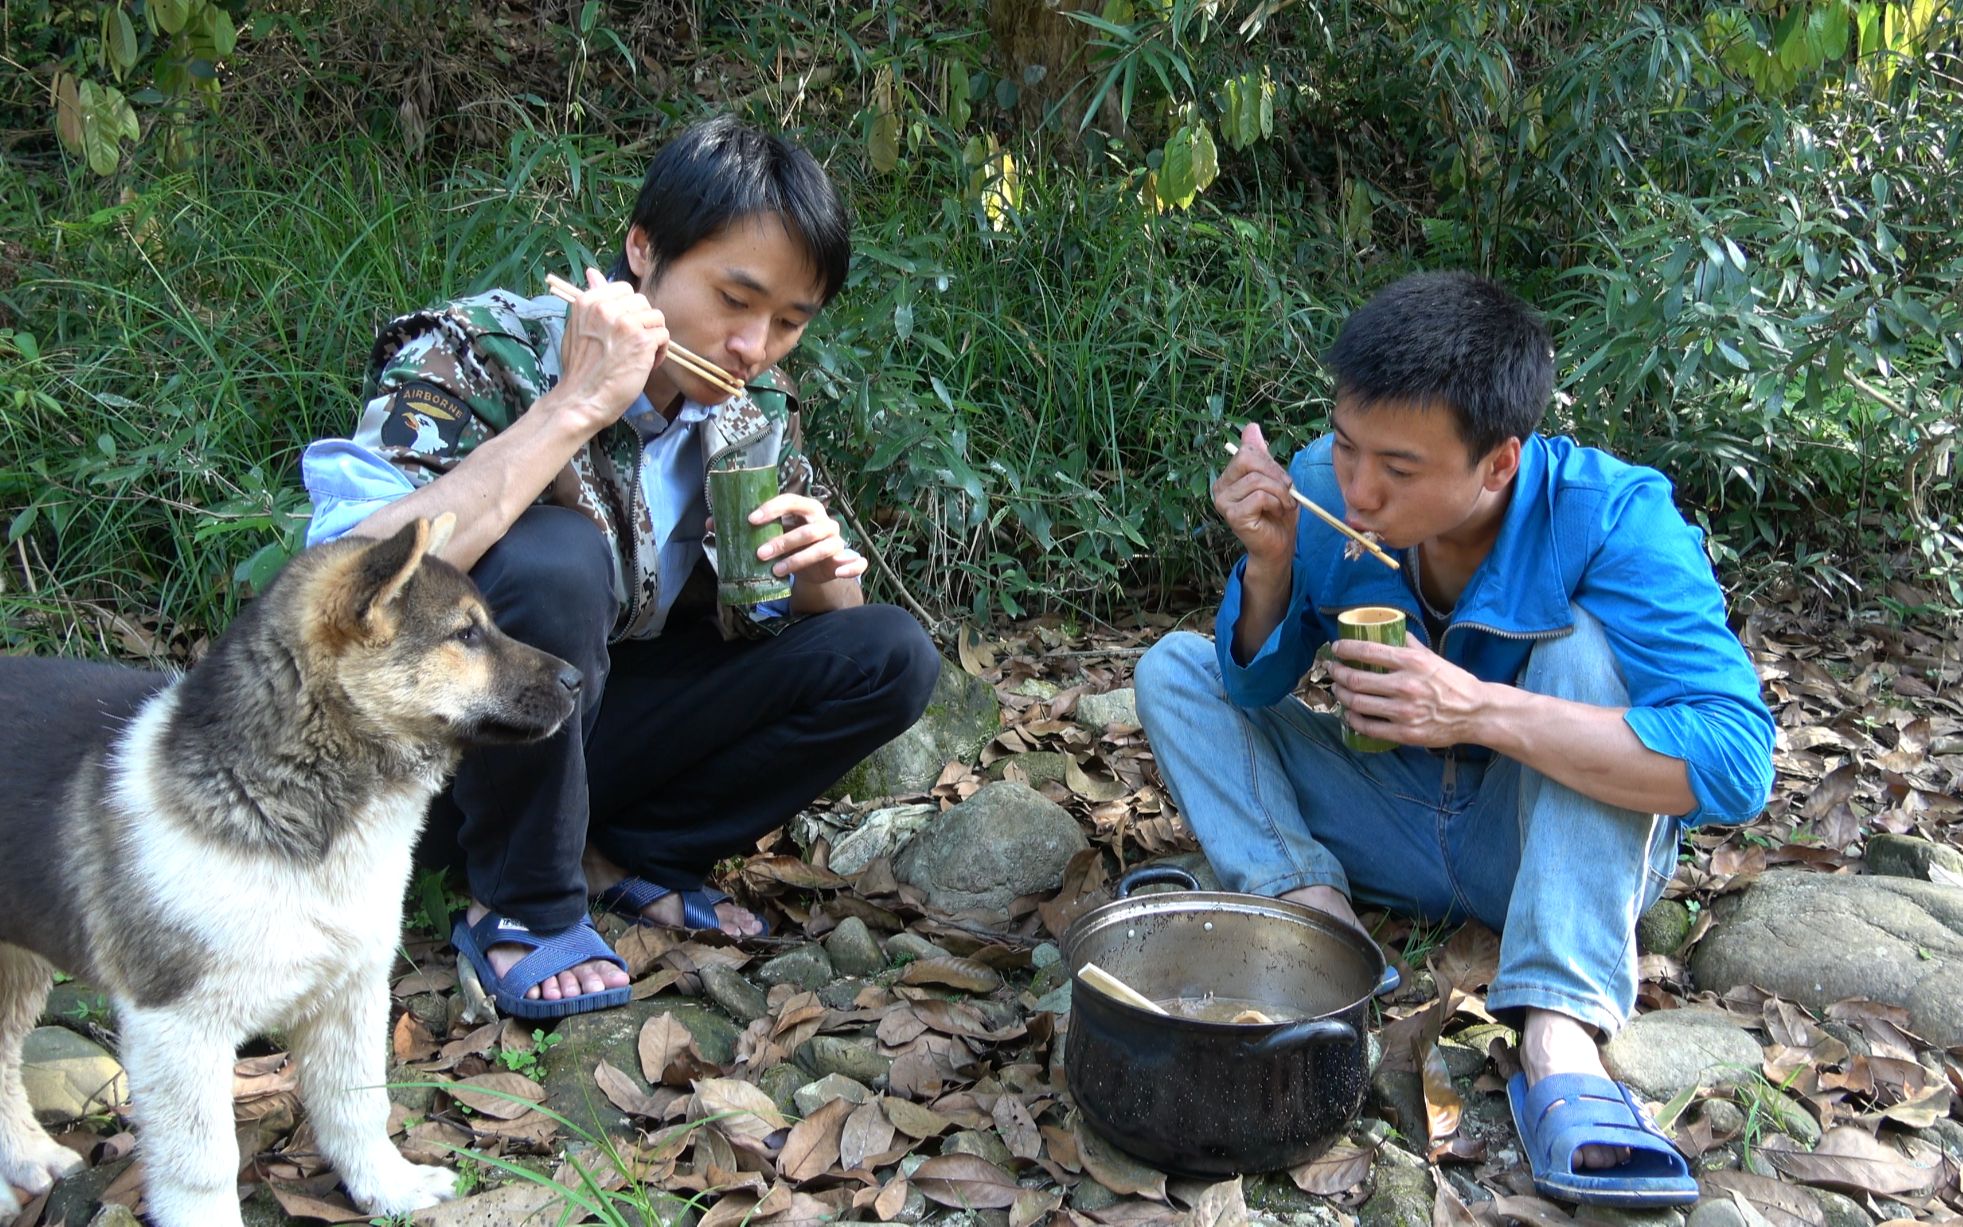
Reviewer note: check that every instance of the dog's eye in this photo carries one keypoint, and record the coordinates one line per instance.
(470, 633)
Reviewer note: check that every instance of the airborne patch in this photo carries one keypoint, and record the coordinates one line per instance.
(425, 419)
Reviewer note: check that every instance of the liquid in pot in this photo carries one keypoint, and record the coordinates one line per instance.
(1210, 1008)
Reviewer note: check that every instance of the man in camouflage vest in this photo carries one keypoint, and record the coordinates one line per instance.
(575, 459)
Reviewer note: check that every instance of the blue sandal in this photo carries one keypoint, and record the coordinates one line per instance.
(551, 953)
(631, 895)
(1564, 1112)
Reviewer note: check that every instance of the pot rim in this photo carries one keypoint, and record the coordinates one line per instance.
(1205, 902)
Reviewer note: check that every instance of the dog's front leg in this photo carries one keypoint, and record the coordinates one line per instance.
(340, 1047)
(180, 1071)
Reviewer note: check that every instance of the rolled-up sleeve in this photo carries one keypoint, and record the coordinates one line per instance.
(1694, 694)
(346, 483)
(1271, 674)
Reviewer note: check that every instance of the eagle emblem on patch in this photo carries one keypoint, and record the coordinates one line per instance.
(425, 419)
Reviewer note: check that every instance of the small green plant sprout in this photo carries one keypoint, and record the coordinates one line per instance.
(526, 1060)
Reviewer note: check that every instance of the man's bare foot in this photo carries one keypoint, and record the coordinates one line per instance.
(1554, 1043)
(596, 976)
(1328, 900)
(602, 874)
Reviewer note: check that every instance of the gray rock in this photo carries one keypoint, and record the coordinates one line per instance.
(75, 1199)
(1056, 1001)
(69, 1076)
(114, 1216)
(1611, 1216)
(1399, 1095)
(855, 1057)
(1840, 1210)
(1034, 767)
(1096, 711)
(1945, 1134)
(1404, 1191)
(1782, 1112)
(412, 1088)
(1462, 1060)
(614, 1036)
(1045, 955)
(1727, 1119)
(840, 994)
(1089, 1196)
(1662, 1052)
(1725, 1212)
(1905, 856)
(913, 946)
(814, 1095)
(781, 1083)
(961, 716)
(1273, 1194)
(731, 990)
(1664, 928)
(853, 949)
(806, 967)
(262, 1209)
(75, 1005)
(983, 1144)
(883, 832)
(1818, 938)
(1006, 841)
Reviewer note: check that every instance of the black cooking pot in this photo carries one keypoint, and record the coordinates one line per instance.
(1213, 1098)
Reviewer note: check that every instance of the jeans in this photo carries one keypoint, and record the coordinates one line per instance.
(1279, 803)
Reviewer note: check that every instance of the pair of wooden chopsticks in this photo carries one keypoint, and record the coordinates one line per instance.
(1333, 522)
(696, 365)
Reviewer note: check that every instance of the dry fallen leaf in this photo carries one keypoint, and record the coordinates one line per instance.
(1849, 1159)
(964, 974)
(966, 1182)
(1116, 1170)
(1337, 1170)
(503, 1095)
(867, 1132)
(666, 1047)
(813, 1146)
(741, 1111)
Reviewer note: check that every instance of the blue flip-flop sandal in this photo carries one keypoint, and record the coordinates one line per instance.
(1564, 1112)
(551, 953)
(630, 896)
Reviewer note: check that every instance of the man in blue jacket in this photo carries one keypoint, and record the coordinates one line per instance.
(1569, 696)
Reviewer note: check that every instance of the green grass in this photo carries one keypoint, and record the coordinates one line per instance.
(1019, 420)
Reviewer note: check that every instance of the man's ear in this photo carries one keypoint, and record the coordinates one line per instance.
(640, 254)
(1501, 464)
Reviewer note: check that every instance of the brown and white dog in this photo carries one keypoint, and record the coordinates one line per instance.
(224, 853)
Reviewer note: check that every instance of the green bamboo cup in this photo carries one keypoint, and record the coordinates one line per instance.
(1375, 624)
(741, 577)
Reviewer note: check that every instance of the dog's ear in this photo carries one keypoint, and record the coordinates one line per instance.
(387, 566)
(439, 532)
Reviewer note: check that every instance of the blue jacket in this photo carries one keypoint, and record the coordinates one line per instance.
(1583, 528)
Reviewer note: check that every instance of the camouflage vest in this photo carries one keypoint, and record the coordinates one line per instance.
(442, 380)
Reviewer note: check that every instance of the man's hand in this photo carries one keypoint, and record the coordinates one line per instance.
(1423, 699)
(1251, 494)
(811, 551)
(614, 338)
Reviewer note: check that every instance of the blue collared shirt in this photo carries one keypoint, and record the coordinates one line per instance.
(1582, 528)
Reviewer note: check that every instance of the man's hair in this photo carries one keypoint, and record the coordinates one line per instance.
(1454, 338)
(719, 172)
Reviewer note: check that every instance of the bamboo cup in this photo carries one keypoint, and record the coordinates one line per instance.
(1375, 624)
(741, 577)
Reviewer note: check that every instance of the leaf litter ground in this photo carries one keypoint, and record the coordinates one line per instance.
(974, 1113)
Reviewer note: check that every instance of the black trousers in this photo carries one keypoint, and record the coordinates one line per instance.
(686, 748)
